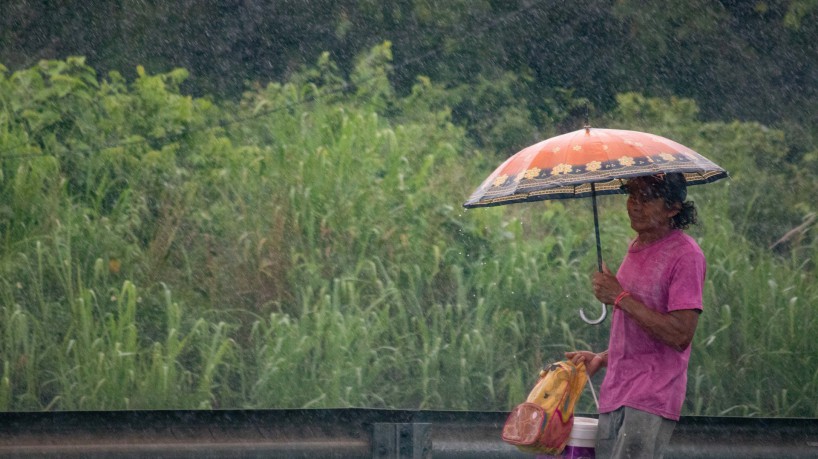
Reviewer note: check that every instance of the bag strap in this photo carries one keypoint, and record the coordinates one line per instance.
(593, 393)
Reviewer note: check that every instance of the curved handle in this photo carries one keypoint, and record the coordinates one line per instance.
(597, 321)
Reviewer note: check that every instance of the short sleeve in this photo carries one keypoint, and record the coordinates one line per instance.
(687, 282)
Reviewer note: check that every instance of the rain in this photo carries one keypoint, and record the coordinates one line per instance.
(238, 229)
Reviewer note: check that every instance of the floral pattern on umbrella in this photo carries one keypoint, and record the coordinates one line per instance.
(565, 166)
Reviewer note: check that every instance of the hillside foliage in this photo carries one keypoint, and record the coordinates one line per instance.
(305, 246)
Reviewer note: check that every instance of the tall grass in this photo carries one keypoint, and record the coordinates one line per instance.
(315, 254)
(752, 355)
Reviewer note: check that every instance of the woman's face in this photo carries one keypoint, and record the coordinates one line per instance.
(647, 210)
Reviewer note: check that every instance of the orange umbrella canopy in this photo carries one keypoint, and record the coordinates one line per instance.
(565, 166)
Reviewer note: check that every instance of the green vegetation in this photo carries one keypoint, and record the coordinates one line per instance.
(748, 60)
(306, 247)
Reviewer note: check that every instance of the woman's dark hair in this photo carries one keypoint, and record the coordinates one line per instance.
(673, 189)
(686, 216)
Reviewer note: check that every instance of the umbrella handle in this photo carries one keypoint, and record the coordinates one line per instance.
(598, 259)
(597, 321)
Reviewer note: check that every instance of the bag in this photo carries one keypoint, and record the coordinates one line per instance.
(542, 424)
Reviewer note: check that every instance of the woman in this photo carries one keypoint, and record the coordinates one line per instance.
(657, 299)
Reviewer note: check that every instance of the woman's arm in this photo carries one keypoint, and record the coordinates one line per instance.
(675, 328)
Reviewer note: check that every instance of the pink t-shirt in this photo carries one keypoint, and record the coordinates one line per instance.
(644, 373)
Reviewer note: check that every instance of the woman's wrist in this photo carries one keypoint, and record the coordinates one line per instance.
(619, 299)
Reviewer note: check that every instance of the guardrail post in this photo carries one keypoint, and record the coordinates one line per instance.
(401, 440)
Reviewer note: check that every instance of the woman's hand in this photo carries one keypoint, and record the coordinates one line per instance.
(593, 362)
(606, 287)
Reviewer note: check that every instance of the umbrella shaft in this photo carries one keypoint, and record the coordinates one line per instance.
(596, 229)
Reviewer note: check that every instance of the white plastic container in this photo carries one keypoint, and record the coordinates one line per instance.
(582, 440)
(584, 432)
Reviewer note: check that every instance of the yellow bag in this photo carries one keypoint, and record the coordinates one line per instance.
(542, 424)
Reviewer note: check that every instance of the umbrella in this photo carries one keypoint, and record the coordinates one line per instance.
(589, 162)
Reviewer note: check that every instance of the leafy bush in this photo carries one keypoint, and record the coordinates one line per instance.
(306, 247)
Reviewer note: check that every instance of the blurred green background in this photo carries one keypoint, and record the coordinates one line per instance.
(258, 205)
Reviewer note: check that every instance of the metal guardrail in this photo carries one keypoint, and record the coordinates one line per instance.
(352, 433)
